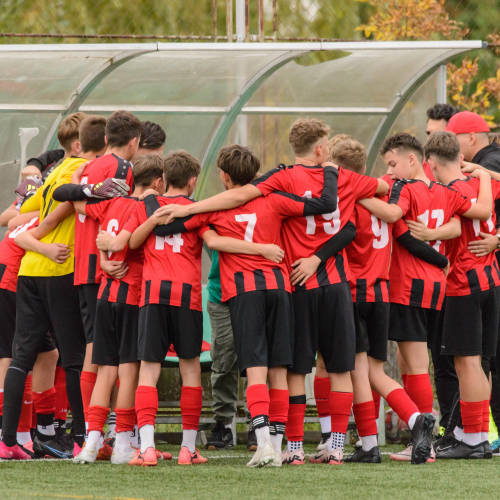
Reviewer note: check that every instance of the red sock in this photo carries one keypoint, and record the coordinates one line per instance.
(472, 416)
(295, 421)
(125, 419)
(1, 403)
(25, 420)
(258, 400)
(322, 388)
(97, 417)
(486, 416)
(278, 409)
(33, 416)
(146, 405)
(401, 403)
(191, 403)
(62, 395)
(87, 383)
(419, 388)
(45, 402)
(403, 378)
(364, 418)
(340, 410)
(376, 401)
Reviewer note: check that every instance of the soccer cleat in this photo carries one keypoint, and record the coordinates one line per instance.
(76, 449)
(106, 450)
(444, 442)
(295, 457)
(277, 459)
(88, 455)
(54, 447)
(359, 455)
(188, 458)
(220, 439)
(422, 438)
(488, 452)
(13, 452)
(495, 447)
(119, 457)
(325, 436)
(460, 450)
(28, 448)
(163, 455)
(252, 441)
(336, 457)
(320, 457)
(146, 459)
(403, 456)
(263, 456)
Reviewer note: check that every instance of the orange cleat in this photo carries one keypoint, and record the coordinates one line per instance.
(146, 459)
(163, 455)
(105, 452)
(188, 458)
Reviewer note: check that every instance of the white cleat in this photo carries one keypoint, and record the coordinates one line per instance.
(336, 457)
(119, 457)
(277, 459)
(263, 456)
(324, 442)
(88, 455)
(403, 456)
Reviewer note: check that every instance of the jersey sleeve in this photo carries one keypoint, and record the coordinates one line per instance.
(66, 176)
(400, 196)
(286, 204)
(366, 186)
(400, 227)
(136, 218)
(96, 210)
(461, 203)
(274, 180)
(33, 203)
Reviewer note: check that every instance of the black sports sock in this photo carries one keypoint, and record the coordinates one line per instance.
(455, 414)
(75, 401)
(12, 403)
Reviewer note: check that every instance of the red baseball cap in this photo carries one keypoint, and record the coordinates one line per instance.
(466, 122)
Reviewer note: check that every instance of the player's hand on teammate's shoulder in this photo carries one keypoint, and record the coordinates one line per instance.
(147, 193)
(172, 211)
(272, 252)
(480, 172)
(329, 164)
(468, 167)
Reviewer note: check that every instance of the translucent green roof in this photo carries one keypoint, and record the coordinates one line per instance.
(206, 95)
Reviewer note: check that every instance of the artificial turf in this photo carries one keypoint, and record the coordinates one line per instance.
(226, 477)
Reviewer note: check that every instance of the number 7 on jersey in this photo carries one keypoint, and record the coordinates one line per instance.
(252, 220)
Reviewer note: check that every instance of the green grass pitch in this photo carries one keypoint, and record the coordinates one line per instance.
(226, 477)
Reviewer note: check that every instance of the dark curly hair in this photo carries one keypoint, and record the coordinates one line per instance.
(441, 112)
(402, 141)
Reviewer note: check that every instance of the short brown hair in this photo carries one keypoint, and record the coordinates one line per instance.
(350, 153)
(402, 141)
(121, 128)
(442, 144)
(336, 139)
(305, 133)
(148, 168)
(152, 136)
(69, 129)
(179, 166)
(92, 131)
(239, 163)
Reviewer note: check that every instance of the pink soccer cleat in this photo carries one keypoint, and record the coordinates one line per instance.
(12, 452)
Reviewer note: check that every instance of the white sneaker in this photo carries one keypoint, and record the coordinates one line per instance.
(88, 455)
(122, 456)
(324, 442)
(277, 459)
(403, 456)
(263, 456)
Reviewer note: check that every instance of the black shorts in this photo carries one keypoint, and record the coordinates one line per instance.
(115, 333)
(414, 324)
(7, 322)
(324, 322)
(88, 304)
(262, 323)
(471, 324)
(372, 328)
(161, 325)
(43, 304)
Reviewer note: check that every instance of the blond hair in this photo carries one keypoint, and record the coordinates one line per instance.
(69, 130)
(350, 154)
(305, 133)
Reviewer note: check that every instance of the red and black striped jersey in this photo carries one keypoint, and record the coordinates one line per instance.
(87, 268)
(172, 264)
(11, 256)
(112, 216)
(257, 221)
(413, 281)
(468, 272)
(304, 236)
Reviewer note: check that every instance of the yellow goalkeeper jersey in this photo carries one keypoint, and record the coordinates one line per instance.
(36, 264)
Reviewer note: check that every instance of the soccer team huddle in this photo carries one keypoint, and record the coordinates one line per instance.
(100, 275)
